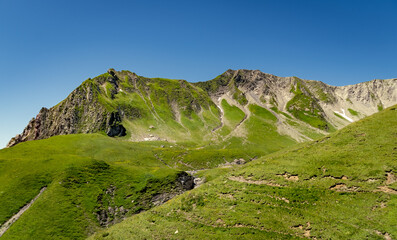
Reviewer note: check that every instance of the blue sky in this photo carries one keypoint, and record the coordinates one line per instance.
(47, 48)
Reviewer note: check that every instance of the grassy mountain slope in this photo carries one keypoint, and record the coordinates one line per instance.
(342, 186)
(124, 104)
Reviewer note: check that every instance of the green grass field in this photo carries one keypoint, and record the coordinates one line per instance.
(332, 188)
(77, 169)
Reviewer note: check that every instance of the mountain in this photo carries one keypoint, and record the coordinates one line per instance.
(115, 100)
(122, 147)
(313, 102)
(121, 103)
(342, 186)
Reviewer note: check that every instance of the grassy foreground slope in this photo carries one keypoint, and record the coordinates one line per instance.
(91, 180)
(343, 186)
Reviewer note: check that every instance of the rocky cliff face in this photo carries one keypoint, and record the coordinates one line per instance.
(80, 112)
(171, 107)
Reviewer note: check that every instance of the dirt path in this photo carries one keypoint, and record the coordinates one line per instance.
(14, 218)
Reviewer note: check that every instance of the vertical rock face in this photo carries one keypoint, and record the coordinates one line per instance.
(114, 127)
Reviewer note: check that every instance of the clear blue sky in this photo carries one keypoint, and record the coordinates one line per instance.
(47, 48)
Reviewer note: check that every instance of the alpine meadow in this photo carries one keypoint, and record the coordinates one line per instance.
(229, 120)
(246, 155)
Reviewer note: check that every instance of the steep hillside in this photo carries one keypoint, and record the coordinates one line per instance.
(123, 104)
(342, 186)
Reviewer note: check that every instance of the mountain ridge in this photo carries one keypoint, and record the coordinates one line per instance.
(97, 105)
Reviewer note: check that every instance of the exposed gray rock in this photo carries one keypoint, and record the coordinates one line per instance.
(161, 198)
(114, 127)
(184, 183)
(239, 161)
(80, 112)
(198, 181)
(106, 215)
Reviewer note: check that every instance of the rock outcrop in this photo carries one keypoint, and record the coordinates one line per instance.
(80, 112)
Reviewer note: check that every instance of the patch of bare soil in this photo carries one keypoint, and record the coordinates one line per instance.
(279, 198)
(371, 180)
(380, 205)
(289, 177)
(343, 177)
(341, 187)
(306, 229)
(386, 236)
(391, 178)
(386, 189)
